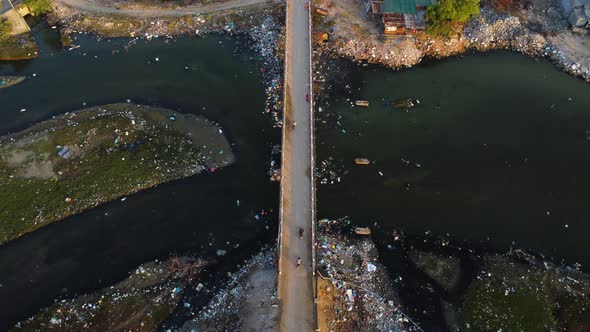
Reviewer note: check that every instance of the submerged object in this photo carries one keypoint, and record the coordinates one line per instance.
(362, 230)
(361, 161)
(406, 103)
(6, 81)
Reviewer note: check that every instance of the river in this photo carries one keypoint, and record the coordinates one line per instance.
(213, 77)
(496, 153)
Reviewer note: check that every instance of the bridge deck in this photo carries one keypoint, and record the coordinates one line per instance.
(297, 200)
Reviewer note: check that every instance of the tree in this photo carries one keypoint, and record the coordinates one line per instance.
(5, 30)
(445, 14)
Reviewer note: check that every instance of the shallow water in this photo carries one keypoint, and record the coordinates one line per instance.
(204, 76)
(496, 152)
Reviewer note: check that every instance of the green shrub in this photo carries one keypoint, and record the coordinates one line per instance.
(38, 7)
(446, 14)
(5, 30)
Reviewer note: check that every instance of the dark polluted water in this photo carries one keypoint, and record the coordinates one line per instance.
(213, 77)
(495, 156)
(497, 152)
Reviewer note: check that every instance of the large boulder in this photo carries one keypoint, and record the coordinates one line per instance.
(578, 18)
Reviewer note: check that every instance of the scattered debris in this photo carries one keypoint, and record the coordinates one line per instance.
(361, 292)
(247, 302)
(139, 303)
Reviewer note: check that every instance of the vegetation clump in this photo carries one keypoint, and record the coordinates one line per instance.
(490, 306)
(38, 7)
(508, 295)
(17, 47)
(5, 30)
(446, 16)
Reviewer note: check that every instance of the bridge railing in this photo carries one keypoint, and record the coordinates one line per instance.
(312, 170)
(283, 134)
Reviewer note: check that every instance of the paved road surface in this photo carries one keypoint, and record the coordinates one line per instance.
(92, 6)
(295, 284)
(4, 6)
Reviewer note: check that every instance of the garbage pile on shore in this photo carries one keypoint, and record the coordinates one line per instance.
(70, 20)
(266, 40)
(139, 303)
(365, 296)
(223, 311)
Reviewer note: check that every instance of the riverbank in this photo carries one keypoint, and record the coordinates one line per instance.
(155, 290)
(355, 292)
(18, 48)
(248, 301)
(233, 20)
(259, 24)
(538, 30)
(443, 285)
(139, 303)
(80, 160)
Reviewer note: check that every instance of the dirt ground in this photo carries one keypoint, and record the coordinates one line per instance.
(247, 302)
(257, 310)
(326, 300)
(574, 46)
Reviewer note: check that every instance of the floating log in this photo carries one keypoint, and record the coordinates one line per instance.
(361, 161)
(361, 103)
(362, 230)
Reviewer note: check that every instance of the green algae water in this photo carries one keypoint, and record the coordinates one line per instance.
(497, 151)
(232, 208)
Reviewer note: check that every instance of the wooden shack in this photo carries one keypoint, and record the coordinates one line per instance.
(401, 16)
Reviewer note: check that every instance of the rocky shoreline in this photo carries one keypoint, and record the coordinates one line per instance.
(538, 31)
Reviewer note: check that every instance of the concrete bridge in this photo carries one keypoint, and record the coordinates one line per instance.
(296, 285)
